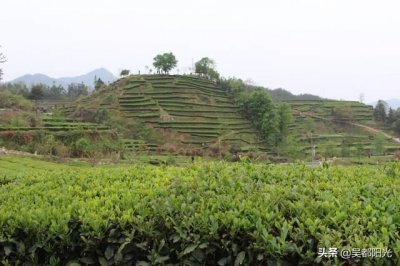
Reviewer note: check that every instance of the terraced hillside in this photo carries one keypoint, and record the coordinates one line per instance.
(330, 109)
(187, 111)
(56, 124)
(330, 124)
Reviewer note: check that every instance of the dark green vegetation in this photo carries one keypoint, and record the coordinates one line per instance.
(206, 213)
(164, 62)
(387, 117)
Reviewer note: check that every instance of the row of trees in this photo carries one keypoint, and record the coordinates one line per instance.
(165, 62)
(205, 67)
(387, 116)
(42, 91)
(271, 118)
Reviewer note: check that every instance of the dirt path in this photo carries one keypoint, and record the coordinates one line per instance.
(375, 131)
(366, 128)
(4, 151)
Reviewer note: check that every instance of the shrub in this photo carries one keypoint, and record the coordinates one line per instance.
(62, 151)
(202, 214)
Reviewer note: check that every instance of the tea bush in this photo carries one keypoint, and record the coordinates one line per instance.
(200, 214)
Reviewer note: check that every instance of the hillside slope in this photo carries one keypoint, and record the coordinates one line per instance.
(186, 111)
(340, 128)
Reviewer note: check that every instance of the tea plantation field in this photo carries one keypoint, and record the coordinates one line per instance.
(207, 213)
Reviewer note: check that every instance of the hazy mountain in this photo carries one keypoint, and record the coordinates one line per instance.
(87, 79)
(394, 103)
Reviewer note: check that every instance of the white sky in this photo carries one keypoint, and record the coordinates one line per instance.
(332, 48)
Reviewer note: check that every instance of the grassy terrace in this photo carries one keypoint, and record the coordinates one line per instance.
(57, 124)
(325, 108)
(186, 104)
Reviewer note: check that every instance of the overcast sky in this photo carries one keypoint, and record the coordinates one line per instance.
(332, 48)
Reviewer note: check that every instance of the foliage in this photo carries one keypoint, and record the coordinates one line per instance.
(55, 92)
(99, 83)
(77, 89)
(9, 100)
(206, 67)
(380, 111)
(396, 126)
(343, 114)
(329, 149)
(391, 117)
(249, 215)
(285, 119)
(165, 62)
(271, 119)
(237, 86)
(37, 92)
(290, 148)
(379, 144)
(124, 72)
(15, 89)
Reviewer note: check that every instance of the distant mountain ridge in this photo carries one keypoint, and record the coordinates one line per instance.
(87, 79)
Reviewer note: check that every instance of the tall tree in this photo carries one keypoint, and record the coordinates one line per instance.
(396, 126)
(165, 62)
(99, 83)
(391, 116)
(124, 72)
(379, 144)
(37, 92)
(2, 60)
(380, 111)
(57, 91)
(77, 89)
(206, 67)
(256, 105)
(270, 126)
(285, 118)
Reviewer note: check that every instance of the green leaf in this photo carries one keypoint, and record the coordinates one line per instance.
(87, 260)
(7, 250)
(103, 261)
(161, 259)
(109, 252)
(73, 263)
(223, 261)
(189, 249)
(21, 248)
(142, 263)
(240, 258)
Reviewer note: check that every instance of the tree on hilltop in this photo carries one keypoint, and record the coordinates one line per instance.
(380, 111)
(124, 73)
(37, 92)
(77, 89)
(165, 62)
(206, 67)
(99, 83)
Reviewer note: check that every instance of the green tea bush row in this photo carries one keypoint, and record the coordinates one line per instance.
(202, 214)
